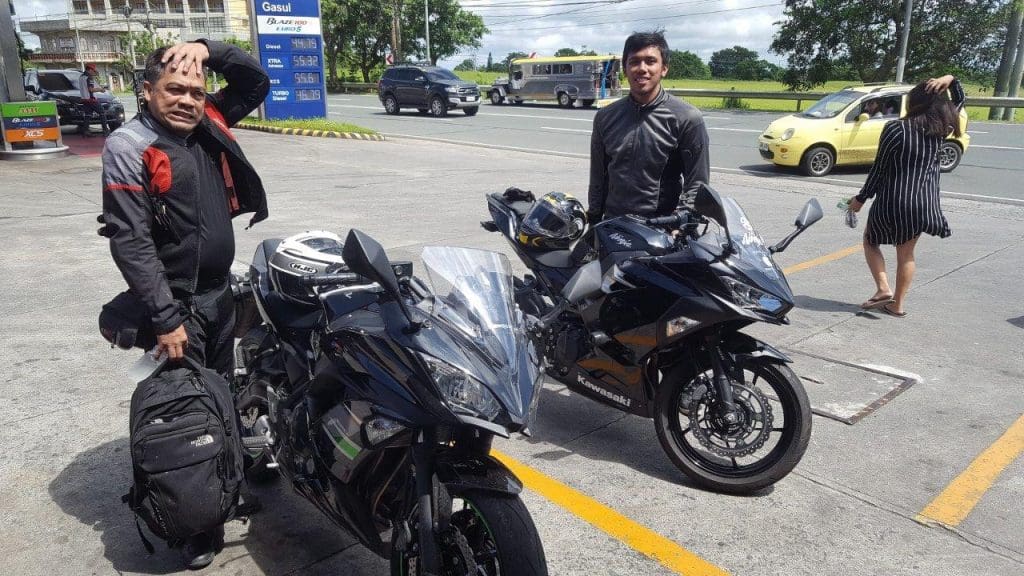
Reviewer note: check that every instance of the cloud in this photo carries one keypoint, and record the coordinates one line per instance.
(700, 26)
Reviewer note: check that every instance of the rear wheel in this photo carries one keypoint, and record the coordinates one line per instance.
(438, 107)
(949, 156)
(765, 443)
(818, 161)
(489, 535)
(391, 104)
(564, 100)
(496, 97)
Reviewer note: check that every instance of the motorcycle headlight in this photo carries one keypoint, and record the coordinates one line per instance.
(787, 134)
(463, 392)
(752, 298)
(451, 88)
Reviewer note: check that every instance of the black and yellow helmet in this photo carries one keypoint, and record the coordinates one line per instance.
(554, 222)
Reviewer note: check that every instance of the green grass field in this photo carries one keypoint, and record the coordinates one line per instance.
(312, 124)
(761, 105)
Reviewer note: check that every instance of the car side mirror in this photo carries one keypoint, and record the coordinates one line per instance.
(862, 117)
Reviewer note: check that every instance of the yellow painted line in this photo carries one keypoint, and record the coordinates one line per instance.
(824, 259)
(637, 537)
(959, 498)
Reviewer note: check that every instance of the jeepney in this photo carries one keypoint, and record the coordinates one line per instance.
(564, 79)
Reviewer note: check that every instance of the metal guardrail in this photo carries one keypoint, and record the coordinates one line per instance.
(799, 97)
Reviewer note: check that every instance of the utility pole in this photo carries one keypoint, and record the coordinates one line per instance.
(12, 85)
(901, 64)
(78, 39)
(426, 22)
(131, 41)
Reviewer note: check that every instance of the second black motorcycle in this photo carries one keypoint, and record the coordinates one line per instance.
(378, 397)
(645, 315)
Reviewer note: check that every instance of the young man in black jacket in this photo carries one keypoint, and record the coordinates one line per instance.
(173, 178)
(648, 152)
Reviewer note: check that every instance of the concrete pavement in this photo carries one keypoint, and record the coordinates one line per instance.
(849, 507)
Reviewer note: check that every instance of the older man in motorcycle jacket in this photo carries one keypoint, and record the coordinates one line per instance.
(173, 178)
(648, 152)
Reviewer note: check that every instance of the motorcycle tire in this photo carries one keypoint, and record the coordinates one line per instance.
(716, 466)
(499, 531)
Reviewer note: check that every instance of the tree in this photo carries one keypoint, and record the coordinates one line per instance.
(145, 42)
(369, 26)
(245, 45)
(944, 35)
(724, 62)
(334, 22)
(452, 29)
(512, 56)
(466, 65)
(566, 52)
(24, 54)
(686, 64)
(1013, 28)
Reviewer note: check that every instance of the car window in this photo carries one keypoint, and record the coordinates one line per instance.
(832, 105)
(442, 74)
(55, 82)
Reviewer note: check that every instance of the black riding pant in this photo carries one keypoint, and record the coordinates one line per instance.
(210, 327)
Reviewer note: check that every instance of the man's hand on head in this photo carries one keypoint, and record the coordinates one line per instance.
(187, 57)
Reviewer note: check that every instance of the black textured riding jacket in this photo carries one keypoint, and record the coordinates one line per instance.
(168, 200)
(646, 160)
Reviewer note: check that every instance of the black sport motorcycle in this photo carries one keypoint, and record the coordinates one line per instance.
(380, 400)
(644, 314)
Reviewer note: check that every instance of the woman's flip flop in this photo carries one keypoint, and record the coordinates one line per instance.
(876, 302)
(891, 312)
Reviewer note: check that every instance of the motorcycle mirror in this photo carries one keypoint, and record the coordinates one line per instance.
(709, 204)
(810, 214)
(365, 256)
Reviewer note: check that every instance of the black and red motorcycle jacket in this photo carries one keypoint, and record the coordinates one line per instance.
(152, 188)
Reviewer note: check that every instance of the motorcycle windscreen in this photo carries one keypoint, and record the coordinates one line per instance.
(473, 295)
(751, 256)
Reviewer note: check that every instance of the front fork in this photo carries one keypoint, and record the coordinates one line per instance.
(726, 408)
(423, 459)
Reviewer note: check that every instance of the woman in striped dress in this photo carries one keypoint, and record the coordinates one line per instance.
(904, 181)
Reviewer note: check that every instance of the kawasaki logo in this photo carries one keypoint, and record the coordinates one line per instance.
(607, 394)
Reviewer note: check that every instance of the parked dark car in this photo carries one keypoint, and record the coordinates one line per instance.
(63, 86)
(429, 89)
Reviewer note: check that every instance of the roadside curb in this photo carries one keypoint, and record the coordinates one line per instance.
(306, 132)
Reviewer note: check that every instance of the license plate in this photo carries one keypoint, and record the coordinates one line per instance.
(763, 146)
(470, 98)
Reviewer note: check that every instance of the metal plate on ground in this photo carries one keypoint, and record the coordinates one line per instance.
(844, 391)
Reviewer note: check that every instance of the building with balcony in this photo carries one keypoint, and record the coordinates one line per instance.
(96, 30)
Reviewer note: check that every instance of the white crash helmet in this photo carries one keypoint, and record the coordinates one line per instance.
(313, 252)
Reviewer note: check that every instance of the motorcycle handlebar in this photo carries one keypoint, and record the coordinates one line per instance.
(673, 220)
(331, 279)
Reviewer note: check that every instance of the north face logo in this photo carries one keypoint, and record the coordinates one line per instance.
(200, 441)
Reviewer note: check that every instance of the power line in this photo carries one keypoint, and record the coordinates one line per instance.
(509, 25)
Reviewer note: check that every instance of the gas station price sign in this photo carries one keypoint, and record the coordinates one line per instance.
(291, 51)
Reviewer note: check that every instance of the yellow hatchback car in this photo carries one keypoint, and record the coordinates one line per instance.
(843, 129)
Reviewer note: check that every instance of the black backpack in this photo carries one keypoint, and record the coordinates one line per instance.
(186, 452)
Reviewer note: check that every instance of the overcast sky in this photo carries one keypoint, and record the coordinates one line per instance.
(543, 26)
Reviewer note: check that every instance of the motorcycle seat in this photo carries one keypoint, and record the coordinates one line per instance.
(518, 207)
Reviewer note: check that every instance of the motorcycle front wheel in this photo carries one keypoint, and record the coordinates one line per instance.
(766, 442)
(494, 532)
